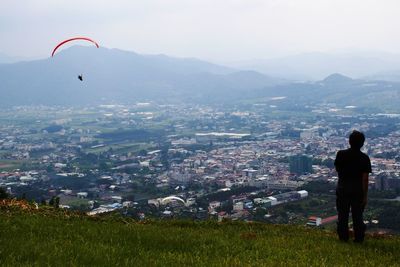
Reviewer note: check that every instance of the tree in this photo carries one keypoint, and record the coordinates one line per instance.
(57, 202)
(142, 152)
(3, 193)
(51, 202)
(54, 202)
(103, 166)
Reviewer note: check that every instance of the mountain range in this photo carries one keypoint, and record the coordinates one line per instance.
(116, 75)
(9, 59)
(113, 75)
(317, 65)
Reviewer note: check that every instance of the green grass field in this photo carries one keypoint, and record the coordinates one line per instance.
(9, 165)
(51, 238)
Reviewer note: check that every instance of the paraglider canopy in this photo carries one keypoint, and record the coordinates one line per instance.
(74, 39)
(172, 198)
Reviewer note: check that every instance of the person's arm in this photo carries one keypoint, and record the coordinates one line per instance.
(338, 161)
(365, 176)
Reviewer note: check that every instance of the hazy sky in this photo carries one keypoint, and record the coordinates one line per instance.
(218, 30)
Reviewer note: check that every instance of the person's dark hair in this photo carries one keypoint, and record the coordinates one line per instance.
(356, 139)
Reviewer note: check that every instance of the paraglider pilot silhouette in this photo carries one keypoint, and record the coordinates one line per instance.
(80, 77)
(353, 168)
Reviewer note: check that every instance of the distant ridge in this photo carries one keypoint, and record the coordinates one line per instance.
(317, 65)
(5, 59)
(392, 76)
(121, 76)
(337, 78)
(113, 75)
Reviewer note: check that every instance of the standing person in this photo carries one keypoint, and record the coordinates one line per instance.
(353, 167)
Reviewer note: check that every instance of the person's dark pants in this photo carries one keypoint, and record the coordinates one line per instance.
(345, 203)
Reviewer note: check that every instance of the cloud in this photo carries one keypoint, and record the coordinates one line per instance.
(211, 29)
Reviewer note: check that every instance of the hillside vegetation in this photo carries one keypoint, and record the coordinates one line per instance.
(50, 237)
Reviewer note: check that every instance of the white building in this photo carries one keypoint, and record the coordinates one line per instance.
(274, 201)
(82, 194)
(303, 193)
(213, 205)
(238, 206)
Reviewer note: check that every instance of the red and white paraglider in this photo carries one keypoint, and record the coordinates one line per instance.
(80, 77)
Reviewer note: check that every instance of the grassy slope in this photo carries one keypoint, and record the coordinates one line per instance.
(57, 239)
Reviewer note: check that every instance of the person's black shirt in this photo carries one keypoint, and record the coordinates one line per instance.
(350, 165)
